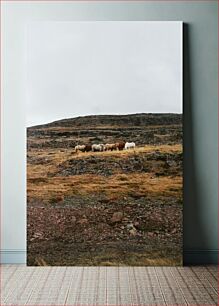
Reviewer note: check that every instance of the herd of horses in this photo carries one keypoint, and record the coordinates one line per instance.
(118, 146)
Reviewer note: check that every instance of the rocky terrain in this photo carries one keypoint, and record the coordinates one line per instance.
(105, 208)
(141, 128)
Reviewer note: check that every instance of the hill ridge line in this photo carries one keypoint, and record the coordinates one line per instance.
(115, 119)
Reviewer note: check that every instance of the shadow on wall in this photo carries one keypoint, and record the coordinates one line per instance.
(192, 225)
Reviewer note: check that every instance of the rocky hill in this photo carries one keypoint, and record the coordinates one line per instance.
(140, 128)
(142, 119)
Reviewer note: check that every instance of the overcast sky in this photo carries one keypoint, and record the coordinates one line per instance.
(83, 68)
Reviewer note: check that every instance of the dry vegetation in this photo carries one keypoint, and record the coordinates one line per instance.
(119, 185)
(44, 186)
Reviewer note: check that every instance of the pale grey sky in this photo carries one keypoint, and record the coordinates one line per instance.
(103, 67)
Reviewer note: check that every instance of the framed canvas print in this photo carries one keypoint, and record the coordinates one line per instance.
(104, 143)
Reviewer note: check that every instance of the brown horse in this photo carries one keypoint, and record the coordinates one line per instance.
(88, 148)
(120, 145)
(110, 147)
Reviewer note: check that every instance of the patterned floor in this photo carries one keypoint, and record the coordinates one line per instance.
(79, 286)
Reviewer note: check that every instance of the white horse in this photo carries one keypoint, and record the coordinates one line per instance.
(129, 145)
(97, 147)
(80, 148)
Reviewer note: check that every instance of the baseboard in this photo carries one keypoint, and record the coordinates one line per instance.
(200, 257)
(190, 257)
(13, 256)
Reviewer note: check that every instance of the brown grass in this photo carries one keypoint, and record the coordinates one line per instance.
(120, 185)
(43, 187)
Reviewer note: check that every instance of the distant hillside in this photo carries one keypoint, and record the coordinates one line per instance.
(140, 128)
(115, 120)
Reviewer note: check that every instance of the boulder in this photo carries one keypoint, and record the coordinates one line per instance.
(117, 217)
(133, 231)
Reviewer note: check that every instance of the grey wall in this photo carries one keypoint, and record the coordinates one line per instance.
(200, 111)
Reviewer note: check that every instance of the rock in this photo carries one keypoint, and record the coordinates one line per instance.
(73, 219)
(117, 217)
(37, 235)
(83, 221)
(150, 234)
(133, 232)
(171, 163)
(130, 225)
